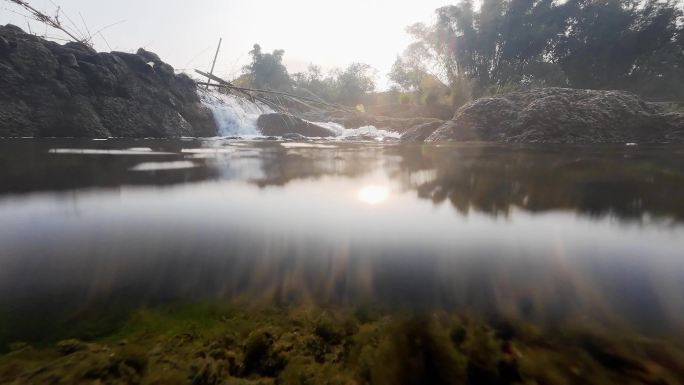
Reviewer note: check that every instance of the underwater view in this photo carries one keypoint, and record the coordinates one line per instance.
(358, 192)
(178, 261)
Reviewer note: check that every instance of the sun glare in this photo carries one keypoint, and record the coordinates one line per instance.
(373, 195)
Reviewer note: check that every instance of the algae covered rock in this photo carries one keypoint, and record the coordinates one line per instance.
(70, 346)
(561, 115)
(260, 355)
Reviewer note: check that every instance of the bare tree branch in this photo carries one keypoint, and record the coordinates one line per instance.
(49, 20)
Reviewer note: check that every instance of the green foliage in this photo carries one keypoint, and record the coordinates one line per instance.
(346, 86)
(514, 44)
(353, 82)
(407, 74)
(309, 345)
(266, 71)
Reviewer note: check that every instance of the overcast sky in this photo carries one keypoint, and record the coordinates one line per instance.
(185, 33)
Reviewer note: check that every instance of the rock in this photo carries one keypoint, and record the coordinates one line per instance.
(14, 118)
(76, 46)
(48, 89)
(560, 115)
(278, 124)
(18, 346)
(173, 123)
(291, 136)
(420, 132)
(134, 62)
(68, 60)
(163, 70)
(148, 56)
(125, 117)
(81, 120)
(260, 355)
(33, 61)
(99, 77)
(75, 81)
(67, 347)
(200, 118)
(5, 46)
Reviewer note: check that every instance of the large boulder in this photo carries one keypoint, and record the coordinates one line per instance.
(560, 115)
(48, 89)
(278, 124)
(420, 132)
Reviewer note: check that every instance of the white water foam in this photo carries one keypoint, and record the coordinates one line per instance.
(236, 116)
(361, 133)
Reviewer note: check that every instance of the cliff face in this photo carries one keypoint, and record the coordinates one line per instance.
(48, 89)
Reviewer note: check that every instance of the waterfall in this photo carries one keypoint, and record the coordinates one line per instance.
(236, 116)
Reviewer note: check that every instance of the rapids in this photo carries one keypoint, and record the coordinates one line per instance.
(237, 117)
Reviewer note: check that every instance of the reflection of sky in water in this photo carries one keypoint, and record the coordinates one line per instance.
(354, 224)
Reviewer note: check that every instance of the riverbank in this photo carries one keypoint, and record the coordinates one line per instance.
(70, 90)
(249, 344)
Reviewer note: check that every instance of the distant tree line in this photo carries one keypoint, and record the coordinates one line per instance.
(506, 45)
(346, 86)
(511, 44)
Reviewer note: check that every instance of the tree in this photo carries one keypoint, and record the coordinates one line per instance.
(507, 44)
(407, 75)
(503, 42)
(314, 81)
(354, 82)
(347, 86)
(267, 70)
(621, 44)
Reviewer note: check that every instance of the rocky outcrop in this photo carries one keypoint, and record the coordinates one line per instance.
(48, 89)
(278, 124)
(559, 115)
(421, 132)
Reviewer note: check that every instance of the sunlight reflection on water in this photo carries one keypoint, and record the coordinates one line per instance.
(546, 234)
(373, 195)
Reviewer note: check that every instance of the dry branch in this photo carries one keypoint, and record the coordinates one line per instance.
(50, 21)
(249, 91)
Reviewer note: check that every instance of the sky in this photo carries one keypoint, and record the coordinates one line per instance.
(185, 34)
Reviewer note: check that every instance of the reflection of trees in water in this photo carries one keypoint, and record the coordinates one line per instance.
(495, 179)
(282, 165)
(186, 264)
(624, 181)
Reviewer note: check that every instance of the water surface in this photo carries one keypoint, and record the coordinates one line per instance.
(551, 234)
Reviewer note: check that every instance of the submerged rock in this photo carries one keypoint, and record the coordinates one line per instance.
(560, 115)
(70, 346)
(48, 89)
(278, 124)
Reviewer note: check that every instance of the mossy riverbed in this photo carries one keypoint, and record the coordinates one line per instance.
(211, 344)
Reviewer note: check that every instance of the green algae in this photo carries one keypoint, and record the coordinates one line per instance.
(212, 344)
